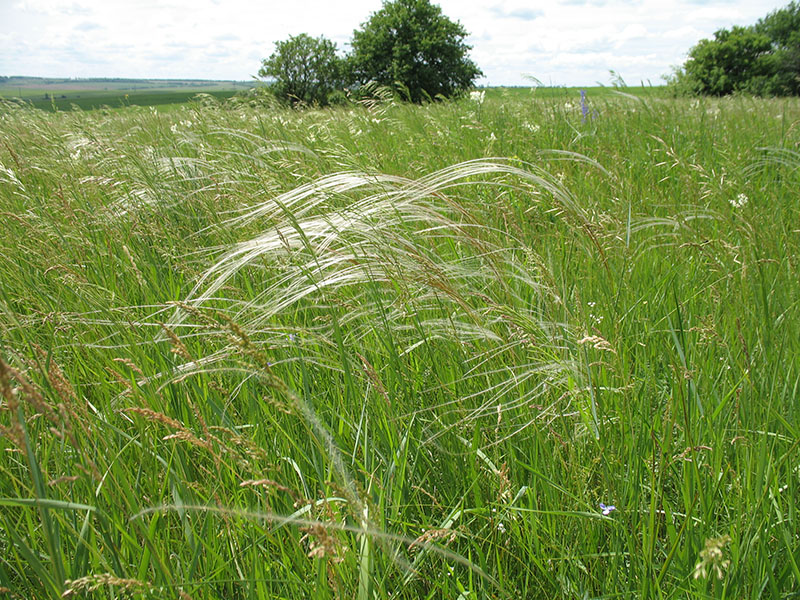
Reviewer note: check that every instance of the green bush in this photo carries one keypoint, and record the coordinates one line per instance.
(762, 59)
(411, 43)
(304, 69)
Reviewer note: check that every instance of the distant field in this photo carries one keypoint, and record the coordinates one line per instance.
(87, 94)
(520, 93)
(90, 101)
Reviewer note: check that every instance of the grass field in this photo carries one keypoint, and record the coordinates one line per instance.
(88, 94)
(512, 348)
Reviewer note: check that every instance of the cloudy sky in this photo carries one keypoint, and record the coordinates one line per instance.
(559, 42)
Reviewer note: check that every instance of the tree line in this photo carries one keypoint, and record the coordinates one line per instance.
(408, 45)
(413, 48)
(761, 59)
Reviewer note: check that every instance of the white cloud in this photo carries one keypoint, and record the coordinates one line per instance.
(571, 42)
(631, 32)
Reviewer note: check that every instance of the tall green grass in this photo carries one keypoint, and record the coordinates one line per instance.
(398, 351)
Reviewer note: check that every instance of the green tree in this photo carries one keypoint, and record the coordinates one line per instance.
(411, 43)
(304, 69)
(736, 60)
(760, 59)
(782, 27)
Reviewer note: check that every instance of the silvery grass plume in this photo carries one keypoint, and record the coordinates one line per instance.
(171, 179)
(775, 157)
(389, 232)
(405, 257)
(418, 261)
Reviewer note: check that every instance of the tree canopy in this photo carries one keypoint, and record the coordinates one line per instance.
(408, 45)
(412, 43)
(782, 27)
(304, 69)
(761, 59)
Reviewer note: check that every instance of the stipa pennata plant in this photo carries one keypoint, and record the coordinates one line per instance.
(424, 266)
(419, 259)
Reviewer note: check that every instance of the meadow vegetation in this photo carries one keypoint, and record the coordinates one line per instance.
(511, 346)
(87, 94)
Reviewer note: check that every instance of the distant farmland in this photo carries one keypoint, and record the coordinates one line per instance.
(87, 94)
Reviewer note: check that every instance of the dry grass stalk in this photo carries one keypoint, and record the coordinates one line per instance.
(321, 544)
(250, 449)
(178, 347)
(14, 386)
(181, 433)
(504, 491)
(269, 484)
(155, 417)
(93, 583)
(64, 479)
(136, 271)
(14, 431)
(374, 378)
(598, 343)
(121, 380)
(131, 365)
(427, 537)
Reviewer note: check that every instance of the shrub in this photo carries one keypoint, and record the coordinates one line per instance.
(304, 69)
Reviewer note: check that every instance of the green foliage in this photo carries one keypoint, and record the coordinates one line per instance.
(782, 27)
(735, 60)
(763, 59)
(413, 44)
(305, 69)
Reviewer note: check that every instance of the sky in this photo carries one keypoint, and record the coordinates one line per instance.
(558, 42)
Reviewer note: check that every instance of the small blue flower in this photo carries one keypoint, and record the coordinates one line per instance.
(584, 106)
(607, 509)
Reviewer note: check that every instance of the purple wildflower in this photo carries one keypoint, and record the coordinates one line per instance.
(584, 107)
(607, 509)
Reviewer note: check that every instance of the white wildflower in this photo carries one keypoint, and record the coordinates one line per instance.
(477, 96)
(739, 201)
